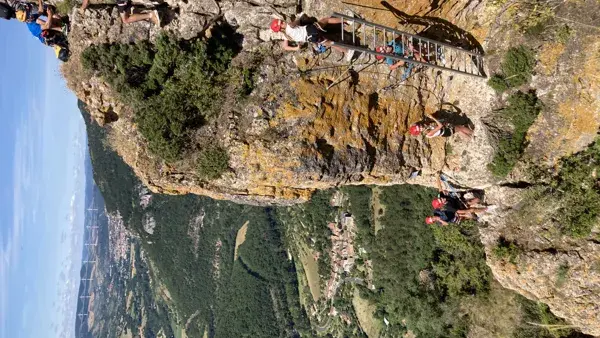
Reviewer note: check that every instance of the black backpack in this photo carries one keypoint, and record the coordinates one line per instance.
(6, 12)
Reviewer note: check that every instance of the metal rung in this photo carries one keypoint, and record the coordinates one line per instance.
(443, 57)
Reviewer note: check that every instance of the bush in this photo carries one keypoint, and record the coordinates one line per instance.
(498, 83)
(213, 162)
(517, 68)
(506, 250)
(173, 86)
(522, 110)
(562, 274)
(460, 266)
(579, 192)
(518, 65)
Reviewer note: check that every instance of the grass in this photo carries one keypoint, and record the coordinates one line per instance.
(364, 311)
(516, 69)
(522, 110)
(312, 272)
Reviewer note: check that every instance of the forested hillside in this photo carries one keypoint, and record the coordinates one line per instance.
(396, 276)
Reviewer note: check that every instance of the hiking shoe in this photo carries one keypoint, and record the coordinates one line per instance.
(155, 18)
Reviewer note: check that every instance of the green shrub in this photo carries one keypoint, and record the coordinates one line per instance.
(498, 83)
(516, 69)
(562, 274)
(538, 322)
(460, 265)
(522, 110)
(578, 192)
(518, 65)
(506, 250)
(563, 33)
(173, 86)
(212, 162)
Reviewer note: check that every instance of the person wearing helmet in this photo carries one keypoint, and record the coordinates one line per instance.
(300, 34)
(434, 128)
(445, 217)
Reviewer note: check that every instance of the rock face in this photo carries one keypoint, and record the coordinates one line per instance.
(559, 271)
(296, 136)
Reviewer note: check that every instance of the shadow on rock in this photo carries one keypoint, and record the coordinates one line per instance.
(439, 29)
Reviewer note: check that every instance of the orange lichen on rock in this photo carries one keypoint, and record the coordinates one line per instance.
(551, 52)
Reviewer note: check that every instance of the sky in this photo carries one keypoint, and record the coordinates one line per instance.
(42, 182)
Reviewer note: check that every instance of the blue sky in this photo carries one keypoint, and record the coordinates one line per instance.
(42, 147)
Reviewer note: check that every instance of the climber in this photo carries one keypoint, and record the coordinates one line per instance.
(445, 217)
(126, 8)
(453, 200)
(297, 32)
(435, 128)
(32, 16)
(398, 49)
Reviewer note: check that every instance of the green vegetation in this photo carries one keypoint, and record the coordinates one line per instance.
(517, 67)
(255, 296)
(563, 33)
(577, 191)
(460, 264)
(422, 272)
(562, 274)
(522, 110)
(213, 162)
(313, 216)
(507, 250)
(174, 87)
(539, 322)
(498, 83)
(65, 7)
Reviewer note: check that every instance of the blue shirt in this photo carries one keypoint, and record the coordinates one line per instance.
(398, 50)
(36, 30)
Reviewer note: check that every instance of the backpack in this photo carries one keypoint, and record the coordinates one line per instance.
(6, 12)
(62, 53)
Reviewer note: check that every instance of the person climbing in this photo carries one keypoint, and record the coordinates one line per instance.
(453, 200)
(445, 217)
(126, 8)
(393, 47)
(297, 32)
(435, 128)
(462, 206)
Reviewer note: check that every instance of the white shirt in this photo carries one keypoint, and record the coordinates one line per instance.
(298, 34)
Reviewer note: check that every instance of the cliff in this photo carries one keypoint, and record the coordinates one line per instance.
(294, 135)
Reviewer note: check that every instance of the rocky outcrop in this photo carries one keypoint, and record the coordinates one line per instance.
(560, 271)
(310, 124)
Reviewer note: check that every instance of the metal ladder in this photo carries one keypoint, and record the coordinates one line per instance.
(433, 53)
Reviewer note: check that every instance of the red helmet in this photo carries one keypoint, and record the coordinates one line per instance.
(276, 25)
(415, 130)
(437, 203)
(429, 220)
(380, 49)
